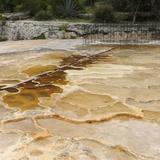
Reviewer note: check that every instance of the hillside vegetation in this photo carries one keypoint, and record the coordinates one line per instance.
(89, 10)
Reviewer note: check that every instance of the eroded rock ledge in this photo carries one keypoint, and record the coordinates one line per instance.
(27, 30)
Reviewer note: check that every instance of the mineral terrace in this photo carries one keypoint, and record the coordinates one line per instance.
(89, 103)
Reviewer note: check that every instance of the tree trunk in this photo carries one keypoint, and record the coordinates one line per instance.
(136, 11)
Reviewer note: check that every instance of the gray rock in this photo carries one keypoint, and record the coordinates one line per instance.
(27, 30)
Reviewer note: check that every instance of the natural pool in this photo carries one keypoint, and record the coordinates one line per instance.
(93, 103)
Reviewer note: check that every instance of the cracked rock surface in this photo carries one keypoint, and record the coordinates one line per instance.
(94, 103)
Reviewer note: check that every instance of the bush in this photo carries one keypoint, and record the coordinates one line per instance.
(68, 8)
(63, 27)
(19, 8)
(104, 13)
(43, 15)
(3, 39)
(122, 16)
(2, 18)
(120, 5)
(87, 2)
(32, 6)
(42, 36)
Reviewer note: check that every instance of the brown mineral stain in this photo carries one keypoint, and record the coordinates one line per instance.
(30, 84)
(28, 98)
(25, 95)
(39, 69)
(32, 90)
(57, 77)
(83, 61)
(11, 89)
(76, 60)
(43, 85)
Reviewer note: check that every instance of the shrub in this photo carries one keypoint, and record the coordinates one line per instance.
(2, 18)
(32, 6)
(63, 27)
(18, 8)
(120, 5)
(104, 13)
(3, 39)
(68, 8)
(122, 16)
(42, 36)
(43, 15)
(87, 2)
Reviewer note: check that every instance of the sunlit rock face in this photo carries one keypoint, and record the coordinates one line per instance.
(81, 105)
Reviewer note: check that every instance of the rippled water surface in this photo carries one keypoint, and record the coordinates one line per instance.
(81, 105)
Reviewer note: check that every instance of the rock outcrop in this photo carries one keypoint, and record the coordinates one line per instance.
(27, 30)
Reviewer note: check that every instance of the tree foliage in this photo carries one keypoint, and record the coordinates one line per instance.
(104, 13)
(71, 8)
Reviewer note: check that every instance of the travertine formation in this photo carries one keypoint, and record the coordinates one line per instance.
(81, 105)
